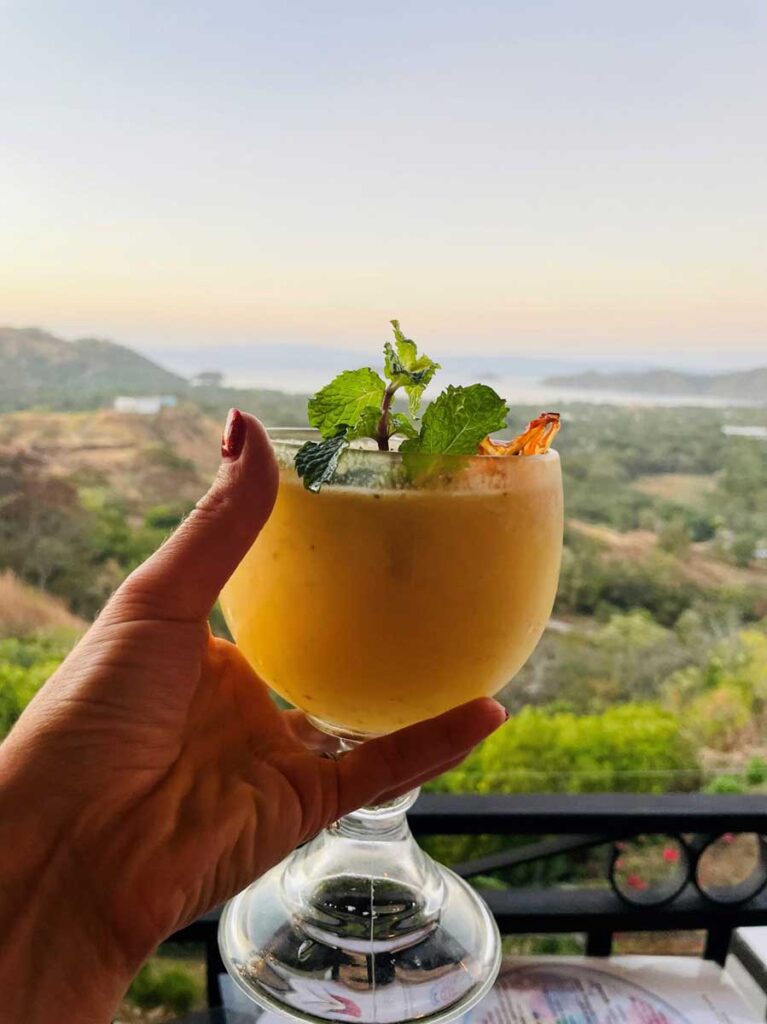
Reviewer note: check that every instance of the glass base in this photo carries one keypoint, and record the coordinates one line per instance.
(360, 924)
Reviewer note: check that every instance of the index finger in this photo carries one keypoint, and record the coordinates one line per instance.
(421, 750)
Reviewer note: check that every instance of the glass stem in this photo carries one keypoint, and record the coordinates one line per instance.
(381, 822)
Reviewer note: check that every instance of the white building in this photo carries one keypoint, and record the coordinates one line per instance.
(143, 405)
(758, 433)
(208, 379)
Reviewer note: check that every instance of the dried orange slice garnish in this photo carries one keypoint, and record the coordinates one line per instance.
(535, 439)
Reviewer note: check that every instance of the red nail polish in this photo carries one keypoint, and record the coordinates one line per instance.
(233, 437)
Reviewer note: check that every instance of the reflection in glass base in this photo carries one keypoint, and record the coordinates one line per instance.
(361, 925)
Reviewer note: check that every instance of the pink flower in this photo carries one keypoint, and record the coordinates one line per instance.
(636, 882)
(671, 855)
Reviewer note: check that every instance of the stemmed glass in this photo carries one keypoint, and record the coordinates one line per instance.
(397, 592)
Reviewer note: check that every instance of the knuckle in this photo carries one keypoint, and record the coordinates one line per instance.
(210, 505)
(391, 757)
(132, 598)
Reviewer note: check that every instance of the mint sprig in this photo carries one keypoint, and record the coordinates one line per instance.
(456, 421)
(358, 404)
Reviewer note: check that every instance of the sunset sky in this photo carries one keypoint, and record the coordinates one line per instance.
(569, 177)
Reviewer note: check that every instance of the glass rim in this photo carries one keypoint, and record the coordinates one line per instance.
(300, 435)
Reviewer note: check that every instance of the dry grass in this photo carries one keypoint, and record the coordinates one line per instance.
(23, 609)
(147, 460)
(699, 566)
(634, 544)
(683, 488)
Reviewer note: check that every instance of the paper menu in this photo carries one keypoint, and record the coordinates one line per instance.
(620, 990)
(578, 990)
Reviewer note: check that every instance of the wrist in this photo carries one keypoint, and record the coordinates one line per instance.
(54, 952)
(47, 963)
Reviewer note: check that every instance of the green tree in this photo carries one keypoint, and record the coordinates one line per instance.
(725, 784)
(756, 771)
(166, 517)
(674, 537)
(172, 988)
(629, 748)
(25, 664)
(589, 668)
(723, 700)
(47, 536)
(743, 548)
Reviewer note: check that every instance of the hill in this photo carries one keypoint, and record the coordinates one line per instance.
(24, 609)
(741, 385)
(35, 365)
(146, 460)
(40, 371)
(699, 565)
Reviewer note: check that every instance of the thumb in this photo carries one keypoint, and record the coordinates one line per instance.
(183, 578)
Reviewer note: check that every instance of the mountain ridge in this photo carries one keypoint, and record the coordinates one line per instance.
(41, 371)
(37, 368)
(738, 385)
(33, 360)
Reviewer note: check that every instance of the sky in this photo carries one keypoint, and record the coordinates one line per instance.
(558, 177)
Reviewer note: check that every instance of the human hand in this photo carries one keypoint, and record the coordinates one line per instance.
(153, 777)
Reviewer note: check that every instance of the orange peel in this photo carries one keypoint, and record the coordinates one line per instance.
(535, 439)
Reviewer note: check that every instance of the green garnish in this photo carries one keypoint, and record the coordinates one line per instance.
(316, 463)
(357, 404)
(456, 421)
(405, 368)
(346, 400)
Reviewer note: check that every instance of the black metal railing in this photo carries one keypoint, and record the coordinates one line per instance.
(570, 823)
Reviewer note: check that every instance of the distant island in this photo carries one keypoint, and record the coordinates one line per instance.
(740, 385)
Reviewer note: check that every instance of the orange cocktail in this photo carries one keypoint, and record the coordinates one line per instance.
(388, 598)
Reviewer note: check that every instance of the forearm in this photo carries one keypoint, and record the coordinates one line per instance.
(56, 962)
(48, 973)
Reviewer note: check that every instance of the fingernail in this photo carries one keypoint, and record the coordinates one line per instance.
(233, 437)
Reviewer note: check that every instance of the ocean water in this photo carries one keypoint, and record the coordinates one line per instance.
(517, 390)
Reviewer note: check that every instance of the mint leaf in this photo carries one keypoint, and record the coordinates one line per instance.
(407, 349)
(456, 421)
(366, 425)
(400, 424)
(414, 396)
(342, 402)
(405, 368)
(316, 461)
(394, 368)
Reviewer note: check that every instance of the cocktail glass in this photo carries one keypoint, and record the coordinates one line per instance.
(400, 590)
